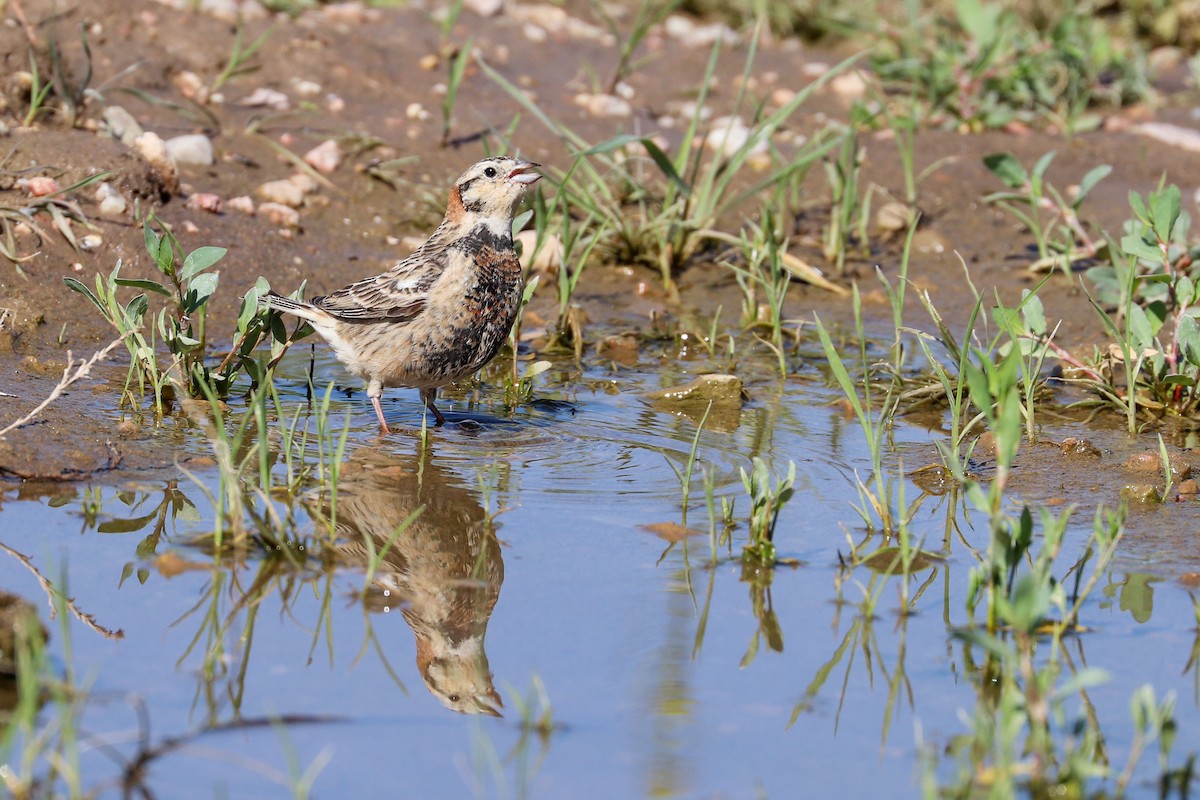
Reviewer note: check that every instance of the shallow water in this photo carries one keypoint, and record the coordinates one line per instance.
(661, 675)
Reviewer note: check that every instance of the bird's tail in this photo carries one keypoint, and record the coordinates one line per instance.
(297, 307)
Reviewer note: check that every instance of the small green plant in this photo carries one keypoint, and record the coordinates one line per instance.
(39, 90)
(648, 14)
(1147, 298)
(240, 54)
(848, 211)
(458, 68)
(189, 284)
(1063, 240)
(768, 495)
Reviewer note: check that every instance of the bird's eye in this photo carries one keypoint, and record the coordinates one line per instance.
(490, 172)
(454, 698)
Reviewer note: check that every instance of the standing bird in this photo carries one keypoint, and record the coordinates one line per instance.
(443, 312)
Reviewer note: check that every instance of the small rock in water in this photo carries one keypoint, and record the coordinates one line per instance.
(722, 390)
(1151, 461)
(1073, 446)
(934, 479)
(1144, 493)
(1189, 487)
(621, 349)
(192, 148)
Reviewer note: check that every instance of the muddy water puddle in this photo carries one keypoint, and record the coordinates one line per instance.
(527, 635)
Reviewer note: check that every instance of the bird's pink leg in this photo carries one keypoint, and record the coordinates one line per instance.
(427, 397)
(375, 391)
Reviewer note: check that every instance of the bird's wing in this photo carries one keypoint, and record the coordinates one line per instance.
(397, 295)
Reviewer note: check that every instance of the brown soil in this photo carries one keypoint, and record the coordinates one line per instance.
(372, 61)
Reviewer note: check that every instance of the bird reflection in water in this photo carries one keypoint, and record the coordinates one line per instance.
(443, 571)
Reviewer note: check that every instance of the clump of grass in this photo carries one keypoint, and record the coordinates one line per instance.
(660, 208)
(985, 66)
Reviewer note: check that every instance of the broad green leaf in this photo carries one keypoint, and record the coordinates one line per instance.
(1189, 339)
(1166, 205)
(75, 285)
(1139, 207)
(1034, 315)
(149, 286)
(1094, 176)
(1006, 167)
(199, 260)
(1185, 290)
(249, 309)
(1137, 327)
(159, 248)
(1137, 246)
(201, 288)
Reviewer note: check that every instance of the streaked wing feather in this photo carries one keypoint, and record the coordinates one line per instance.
(397, 295)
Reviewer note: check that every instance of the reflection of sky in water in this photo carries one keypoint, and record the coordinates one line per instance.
(586, 605)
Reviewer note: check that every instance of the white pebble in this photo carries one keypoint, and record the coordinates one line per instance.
(268, 98)
(282, 192)
(242, 203)
(122, 125)
(90, 242)
(192, 148)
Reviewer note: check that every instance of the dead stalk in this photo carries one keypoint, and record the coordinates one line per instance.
(71, 374)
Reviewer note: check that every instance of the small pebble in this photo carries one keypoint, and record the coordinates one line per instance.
(39, 185)
(121, 125)
(281, 192)
(205, 201)
(242, 204)
(193, 148)
(90, 243)
(262, 97)
(325, 157)
(281, 215)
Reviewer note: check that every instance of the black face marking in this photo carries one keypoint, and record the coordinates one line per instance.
(482, 237)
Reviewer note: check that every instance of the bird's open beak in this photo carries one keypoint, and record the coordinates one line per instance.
(523, 173)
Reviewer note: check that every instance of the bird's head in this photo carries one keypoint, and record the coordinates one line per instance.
(492, 188)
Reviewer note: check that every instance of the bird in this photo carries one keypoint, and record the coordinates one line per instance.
(443, 312)
(441, 568)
